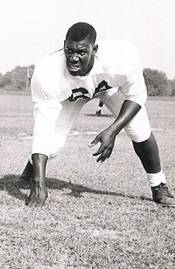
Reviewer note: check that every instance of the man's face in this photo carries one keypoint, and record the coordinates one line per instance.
(79, 56)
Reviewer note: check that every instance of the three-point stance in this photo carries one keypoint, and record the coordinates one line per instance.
(65, 80)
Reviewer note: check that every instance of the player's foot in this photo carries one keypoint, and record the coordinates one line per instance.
(166, 190)
(27, 173)
(38, 194)
(98, 112)
(162, 195)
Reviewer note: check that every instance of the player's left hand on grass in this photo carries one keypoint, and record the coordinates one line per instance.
(107, 140)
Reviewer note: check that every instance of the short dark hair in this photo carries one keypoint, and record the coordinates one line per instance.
(80, 31)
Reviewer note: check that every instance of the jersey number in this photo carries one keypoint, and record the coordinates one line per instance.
(82, 93)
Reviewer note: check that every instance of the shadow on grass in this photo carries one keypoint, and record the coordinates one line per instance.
(77, 190)
(13, 185)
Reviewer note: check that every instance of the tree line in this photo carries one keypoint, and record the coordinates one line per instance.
(156, 81)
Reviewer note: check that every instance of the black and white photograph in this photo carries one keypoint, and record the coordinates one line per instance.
(87, 134)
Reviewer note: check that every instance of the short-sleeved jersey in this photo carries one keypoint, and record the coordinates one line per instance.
(116, 65)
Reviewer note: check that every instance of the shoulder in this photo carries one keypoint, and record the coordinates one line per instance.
(112, 46)
(49, 74)
(49, 63)
(118, 55)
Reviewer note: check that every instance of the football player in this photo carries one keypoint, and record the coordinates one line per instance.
(66, 80)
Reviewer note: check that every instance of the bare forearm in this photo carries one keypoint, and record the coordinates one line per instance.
(38, 192)
(39, 166)
(128, 110)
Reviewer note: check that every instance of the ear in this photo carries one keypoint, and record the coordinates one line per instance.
(64, 43)
(95, 48)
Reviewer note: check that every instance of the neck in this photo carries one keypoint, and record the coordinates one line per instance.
(91, 64)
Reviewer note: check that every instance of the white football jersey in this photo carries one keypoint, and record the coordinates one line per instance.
(116, 65)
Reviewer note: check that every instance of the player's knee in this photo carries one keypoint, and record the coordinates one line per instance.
(57, 144)
(139, 129)
(138, 133)
(138, 138)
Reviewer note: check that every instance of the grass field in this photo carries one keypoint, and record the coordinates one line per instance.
(96, 215)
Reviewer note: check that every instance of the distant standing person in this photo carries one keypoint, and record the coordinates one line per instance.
(66, 80)
(30, 70)
(99, 108)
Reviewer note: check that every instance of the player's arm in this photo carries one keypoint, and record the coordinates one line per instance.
(46, 111)
(135, 94)
(127, 112)
(38, 193)
(39, 164)
(45, 115)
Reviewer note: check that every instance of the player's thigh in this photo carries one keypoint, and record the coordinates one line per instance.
(138, 129)
(69, 113)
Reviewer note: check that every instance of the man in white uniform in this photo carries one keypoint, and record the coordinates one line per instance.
(67, 79)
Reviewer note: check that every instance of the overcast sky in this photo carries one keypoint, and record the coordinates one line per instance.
(31, 29)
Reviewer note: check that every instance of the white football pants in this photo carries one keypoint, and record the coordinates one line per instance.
(53, 124)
